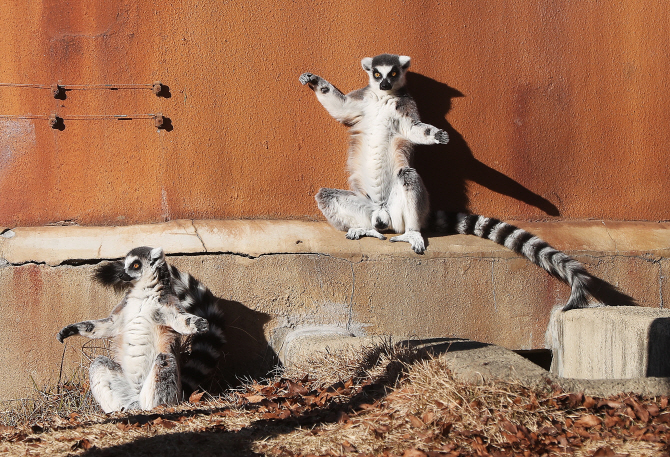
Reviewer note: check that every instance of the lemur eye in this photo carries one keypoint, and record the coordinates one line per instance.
(136, 266)
(377, 74)
(394, 73)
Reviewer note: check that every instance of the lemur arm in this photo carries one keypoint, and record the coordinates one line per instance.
(344, 108)
(419, 133)
(102, 328)
(173, 315)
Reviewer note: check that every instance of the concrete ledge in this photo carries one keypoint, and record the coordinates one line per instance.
(274, 277)
(55, 245)
(610, 343)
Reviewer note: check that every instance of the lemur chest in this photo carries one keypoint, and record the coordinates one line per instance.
(380, 121)
(140, 340)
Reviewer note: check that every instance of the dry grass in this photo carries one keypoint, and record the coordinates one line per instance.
(385, 400)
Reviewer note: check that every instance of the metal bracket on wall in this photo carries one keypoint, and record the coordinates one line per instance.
(58, 122)
(58, 89)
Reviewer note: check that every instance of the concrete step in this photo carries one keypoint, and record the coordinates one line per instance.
(276, 276)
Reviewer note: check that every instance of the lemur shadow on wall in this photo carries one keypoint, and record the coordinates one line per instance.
(246, 354)
(445, 168)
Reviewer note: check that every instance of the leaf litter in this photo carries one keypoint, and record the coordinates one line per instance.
(384, 401)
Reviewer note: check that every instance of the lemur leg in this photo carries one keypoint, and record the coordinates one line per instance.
(347, 210)
(110, 387)
(162, 386)
(409, 206)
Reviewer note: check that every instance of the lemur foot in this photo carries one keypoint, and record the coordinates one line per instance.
(357, 233)
(414, 239)
(198, 325)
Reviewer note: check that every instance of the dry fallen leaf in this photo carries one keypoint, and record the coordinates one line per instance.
(414, 453)
(588, 421)
(195, 397)
(255, 398)
(83, 443)
(415, 421)
(164, 423)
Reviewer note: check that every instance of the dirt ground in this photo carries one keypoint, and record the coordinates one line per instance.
(403, 407)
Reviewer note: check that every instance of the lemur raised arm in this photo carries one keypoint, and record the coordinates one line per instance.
(146, 327)
(387, 193)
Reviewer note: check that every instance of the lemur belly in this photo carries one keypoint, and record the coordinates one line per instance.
(371, 161)
(138, 350)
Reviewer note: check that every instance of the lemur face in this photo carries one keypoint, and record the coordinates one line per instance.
(141, 261)
(386, 71)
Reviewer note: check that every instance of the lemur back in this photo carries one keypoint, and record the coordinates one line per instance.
(147, 328)
(386, 193)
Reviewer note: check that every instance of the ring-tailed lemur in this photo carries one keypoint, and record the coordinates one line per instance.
(387, 193)
(146, 327)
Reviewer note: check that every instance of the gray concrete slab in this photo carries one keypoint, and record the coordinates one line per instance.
(621, 342)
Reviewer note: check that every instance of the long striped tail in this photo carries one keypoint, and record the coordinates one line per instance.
(538, 251)
(206, 348)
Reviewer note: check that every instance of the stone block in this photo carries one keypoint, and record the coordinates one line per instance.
(619, 342)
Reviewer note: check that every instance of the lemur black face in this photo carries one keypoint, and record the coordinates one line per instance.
(387, 80)
(386, 71)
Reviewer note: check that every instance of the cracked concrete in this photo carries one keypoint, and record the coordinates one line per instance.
(276, 276)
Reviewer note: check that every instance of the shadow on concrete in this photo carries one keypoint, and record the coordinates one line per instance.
(658, 364)
(435, 346)
(608, 294)
(247, 353)
(446, 168)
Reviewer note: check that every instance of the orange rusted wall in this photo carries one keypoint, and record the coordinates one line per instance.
(556, 108)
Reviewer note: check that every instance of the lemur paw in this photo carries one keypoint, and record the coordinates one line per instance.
(308, 78)
(441, 137)
(414, 239)
(358, 233)
(200, 325)
(67, 332)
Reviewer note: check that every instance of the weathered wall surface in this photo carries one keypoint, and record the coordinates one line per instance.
(278, 276)
(555, 108)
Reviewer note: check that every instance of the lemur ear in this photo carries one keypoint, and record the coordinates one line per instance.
(366, 63)
(404, 62)
(156, 255)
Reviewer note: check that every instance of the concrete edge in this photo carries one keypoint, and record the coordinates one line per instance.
(470, 362)
(55, 245)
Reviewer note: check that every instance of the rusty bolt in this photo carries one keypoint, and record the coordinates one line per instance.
(54, 121)
(158, 121)
(56, 90)
(157, 87)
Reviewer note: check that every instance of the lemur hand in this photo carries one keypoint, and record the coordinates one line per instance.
(67, 331)
(441, 137)
(308, 78)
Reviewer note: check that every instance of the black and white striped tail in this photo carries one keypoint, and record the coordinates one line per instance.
(538, 251)
(206, 348)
